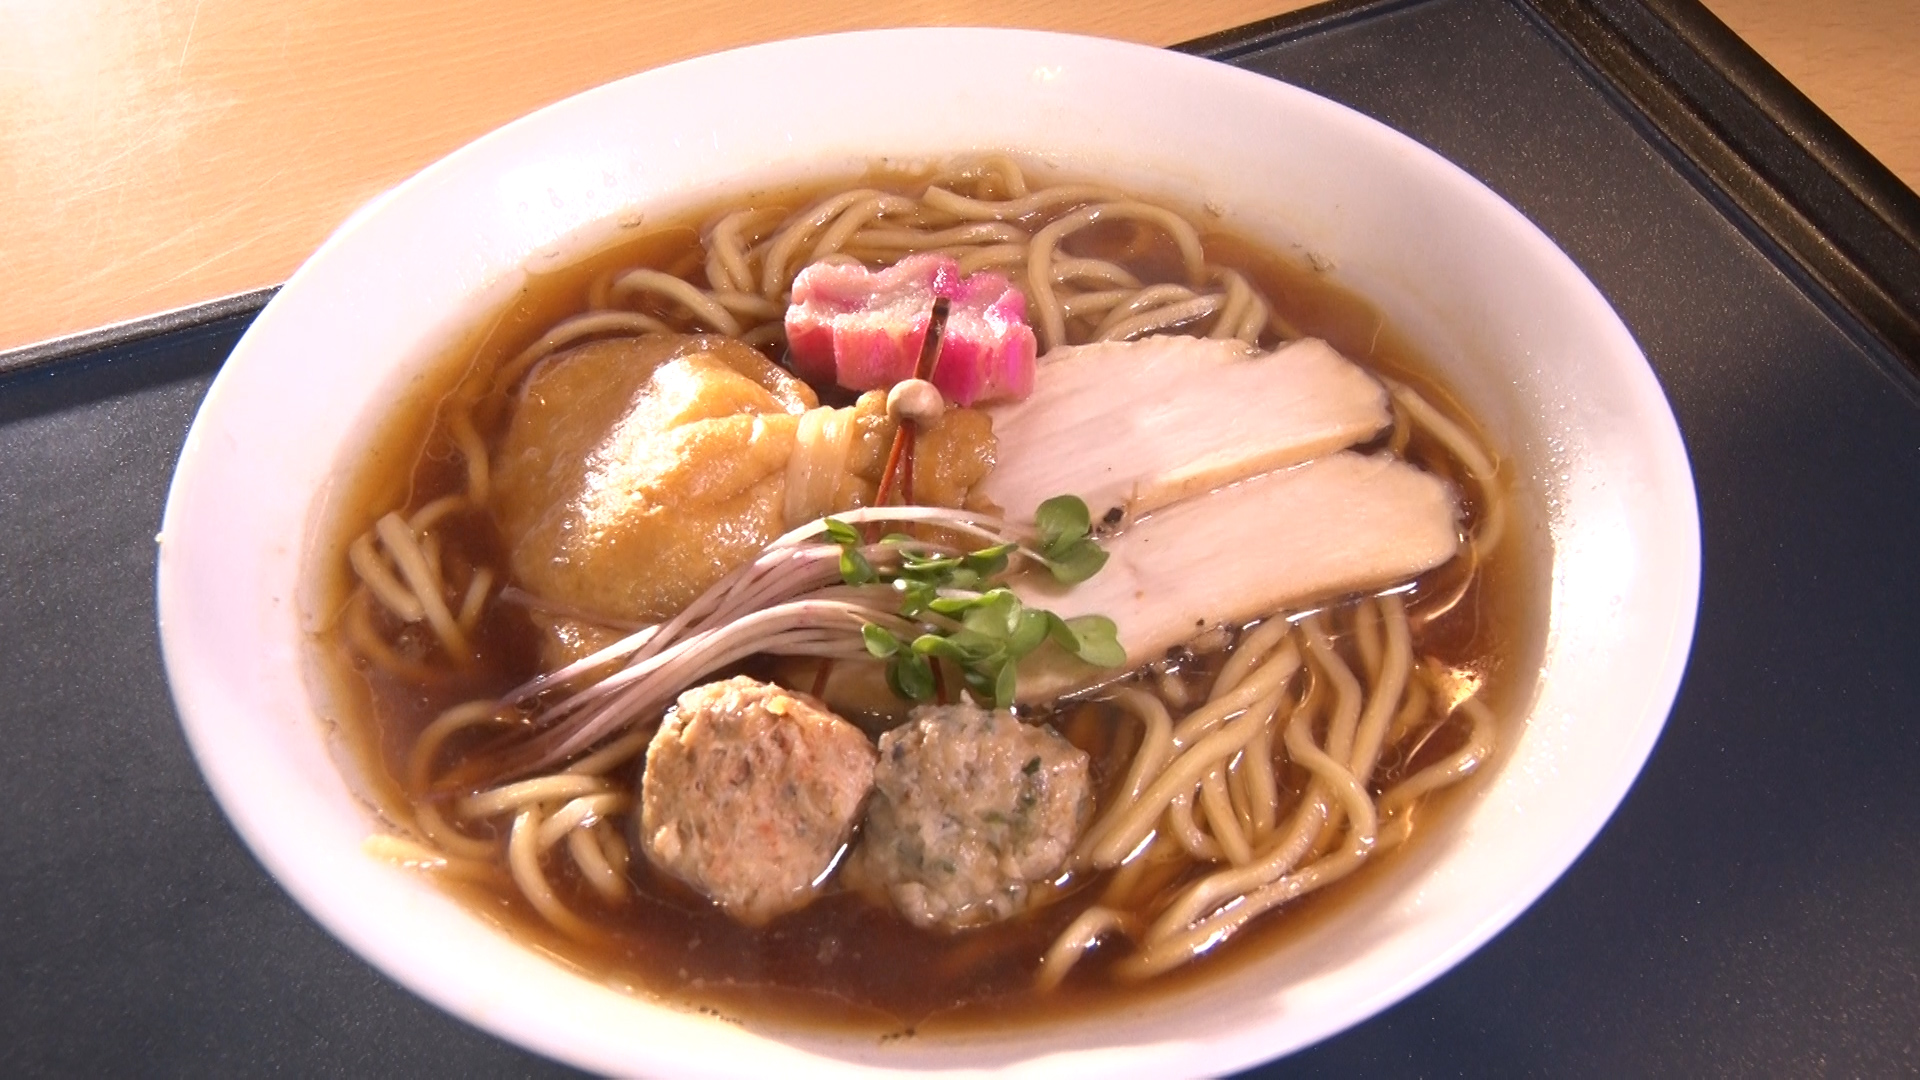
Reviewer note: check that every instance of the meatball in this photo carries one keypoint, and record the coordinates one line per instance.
(750, 793)
(970, 808)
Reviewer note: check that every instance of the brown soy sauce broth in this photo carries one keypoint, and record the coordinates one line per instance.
(844, 963)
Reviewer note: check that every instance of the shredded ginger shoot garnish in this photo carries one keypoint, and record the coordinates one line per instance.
(909, 600)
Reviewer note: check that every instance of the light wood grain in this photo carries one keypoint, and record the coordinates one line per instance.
(1859, 60)
(159, 153)
(164, 152)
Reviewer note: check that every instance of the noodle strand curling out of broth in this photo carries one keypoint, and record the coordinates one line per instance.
(1266, 764)
(1338, 798)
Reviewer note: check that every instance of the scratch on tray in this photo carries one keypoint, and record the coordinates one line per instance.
(98, 172)
(189, 271)
(192, 22)
(188, 239)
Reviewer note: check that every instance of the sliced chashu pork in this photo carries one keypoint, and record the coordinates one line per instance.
(1139, 425)
(1336, 525)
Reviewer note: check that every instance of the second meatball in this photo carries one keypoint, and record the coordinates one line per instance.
(970, 808)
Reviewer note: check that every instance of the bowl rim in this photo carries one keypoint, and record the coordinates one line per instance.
(199, 698)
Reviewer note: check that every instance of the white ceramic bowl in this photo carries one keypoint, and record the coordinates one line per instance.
(1523, 337)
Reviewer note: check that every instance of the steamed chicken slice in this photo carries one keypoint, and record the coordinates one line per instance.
(1138, 425)
(1341, 524)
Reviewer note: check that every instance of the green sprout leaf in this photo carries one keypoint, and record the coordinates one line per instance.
(984, 683)
(1004, 685)
(1032, 631)
(926, 567)
(996, 615)
(989, 562)
(879, 641)
(1092, 638)
(910, 676)
(1061, 520)
(916, 596)
(944, 648)
(842, 533)
(854, 567)
(1067, 546)
(952, 606)
(1077, 562)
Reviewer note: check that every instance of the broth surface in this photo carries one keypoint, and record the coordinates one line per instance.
(843, 962)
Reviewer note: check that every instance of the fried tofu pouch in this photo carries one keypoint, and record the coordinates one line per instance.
(636, 472)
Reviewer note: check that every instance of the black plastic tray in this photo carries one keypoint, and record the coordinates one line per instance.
(1750, 910)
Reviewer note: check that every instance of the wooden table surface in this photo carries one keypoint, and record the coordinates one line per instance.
(161, 153)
